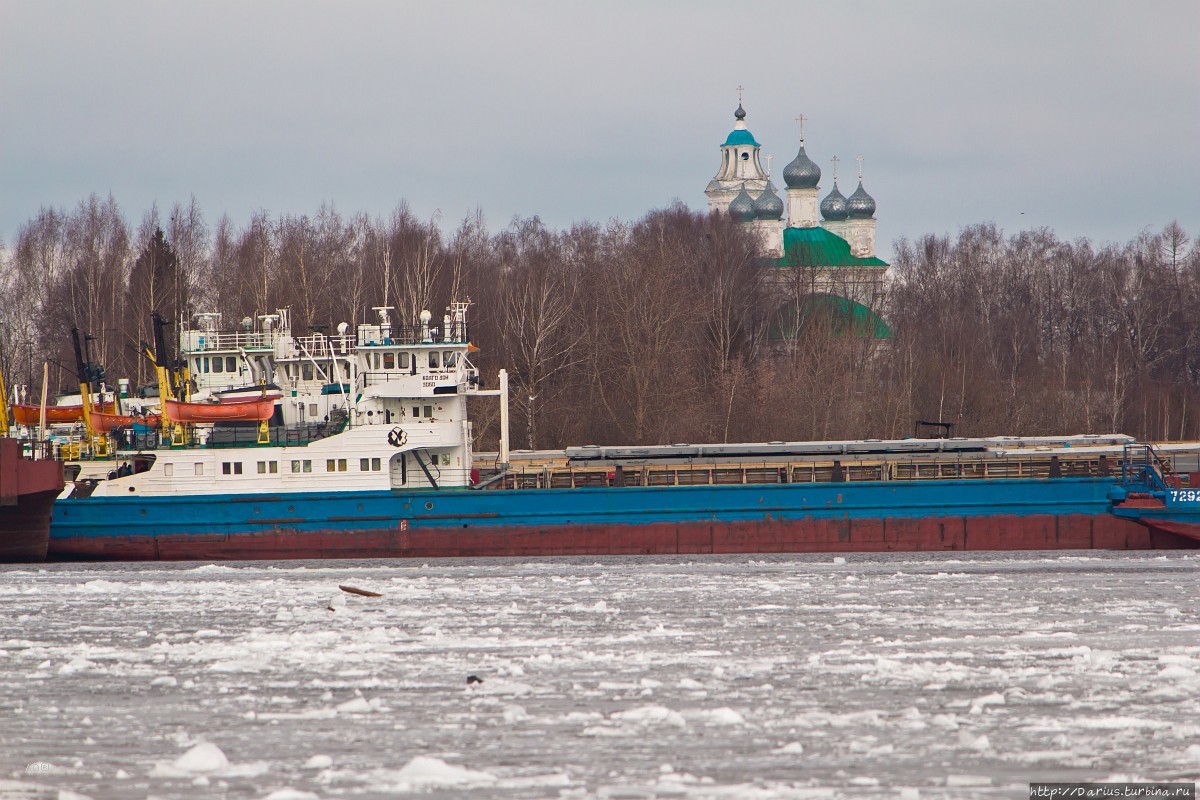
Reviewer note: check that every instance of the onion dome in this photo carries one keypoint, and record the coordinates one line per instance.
(833, 207)
(742, 207)
(802, 173)
(740, 113)
(768, 205)
(859, 205)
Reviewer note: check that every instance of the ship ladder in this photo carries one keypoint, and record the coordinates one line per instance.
(1143, 468)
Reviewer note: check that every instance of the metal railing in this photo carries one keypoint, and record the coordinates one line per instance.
(758, 473)
(1141, 467)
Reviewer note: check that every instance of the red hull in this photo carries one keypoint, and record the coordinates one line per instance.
(27, 492)
(1047, 532)
(25, 528)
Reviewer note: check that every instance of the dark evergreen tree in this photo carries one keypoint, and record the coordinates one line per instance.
(154, 285)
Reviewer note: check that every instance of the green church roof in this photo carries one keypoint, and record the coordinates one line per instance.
(843, 314)
(817, 247)
(740, 137)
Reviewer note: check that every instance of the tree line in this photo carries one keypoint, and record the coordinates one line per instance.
(664, 329)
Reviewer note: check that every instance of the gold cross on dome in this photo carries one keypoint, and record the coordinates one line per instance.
(740, 94)
(800, 119)
(859, 159)
(835, 160)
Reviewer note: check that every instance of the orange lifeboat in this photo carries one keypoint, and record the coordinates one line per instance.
(104, 423)
(24, 414)
(248, 411)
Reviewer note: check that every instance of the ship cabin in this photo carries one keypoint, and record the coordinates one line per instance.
(415, 374)
(222, 362)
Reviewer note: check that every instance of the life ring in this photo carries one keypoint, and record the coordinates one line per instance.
(397, 437)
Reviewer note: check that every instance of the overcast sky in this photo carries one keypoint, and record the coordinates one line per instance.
(1083, 117)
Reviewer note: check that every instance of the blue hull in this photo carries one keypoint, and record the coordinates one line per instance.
(887, 515)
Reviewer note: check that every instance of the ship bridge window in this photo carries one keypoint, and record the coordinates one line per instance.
(307, 370)
(389, 360)
(230, 364)
(434, 360)
(405, 360)
(218, 365)
(449, 359)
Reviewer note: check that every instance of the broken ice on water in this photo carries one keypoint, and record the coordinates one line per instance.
(898, 676)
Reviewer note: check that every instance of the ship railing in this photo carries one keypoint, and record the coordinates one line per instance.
(563, 476)
(201, 341)
(387, 335)
(237, 435)
(318, 346)
(1143, 468)
(38, 449)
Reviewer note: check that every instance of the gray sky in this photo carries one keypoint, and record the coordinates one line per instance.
(1083, 117)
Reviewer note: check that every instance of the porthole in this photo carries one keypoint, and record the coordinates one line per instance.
(429, 506)
(360, 506)
(291, 509)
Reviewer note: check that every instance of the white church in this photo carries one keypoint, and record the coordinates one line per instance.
(836, 249)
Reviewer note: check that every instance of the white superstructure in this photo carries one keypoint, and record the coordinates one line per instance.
(382, 407)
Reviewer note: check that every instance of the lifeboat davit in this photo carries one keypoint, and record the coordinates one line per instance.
(246, 411)
(104, 423)
(24, 414)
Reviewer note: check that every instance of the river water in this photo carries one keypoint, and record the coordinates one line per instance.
(868, 676)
